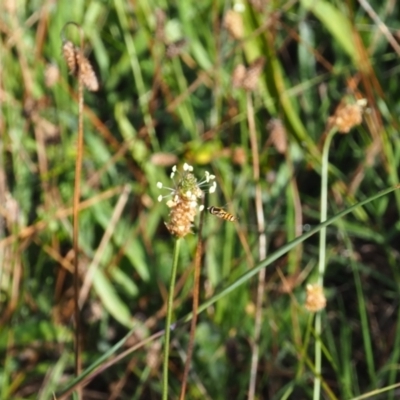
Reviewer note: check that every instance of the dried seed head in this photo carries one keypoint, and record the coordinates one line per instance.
(347, 116)
(72, 56)
(69, 54)
(176, 48)
(254, 71)
(238, 75)
(233, 22)
(13, 211)
(153, 356)
(51, 75)
(258, 5)
(277, 134)
(49, 131)
(239, 156)
(89, 77)
(315, 299)
(161, 17)
(247, 79)
(163, 159)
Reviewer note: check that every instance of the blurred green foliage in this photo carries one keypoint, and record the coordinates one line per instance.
(154, 111)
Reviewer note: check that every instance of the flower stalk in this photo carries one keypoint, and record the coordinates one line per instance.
(183, 204)
(170, 304)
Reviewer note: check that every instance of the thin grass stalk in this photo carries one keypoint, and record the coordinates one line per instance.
(144, 376)
(395, 356)
(78, 172)
(303, 350)
(3, 186)
(298, 217)
(262, 247)
(365, 326)
(376, 392)
(169, 318)
(328, 391)
(362, 306)
(195, 306)
(322, 259)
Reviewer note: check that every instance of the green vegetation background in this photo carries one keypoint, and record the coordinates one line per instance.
(154, 111)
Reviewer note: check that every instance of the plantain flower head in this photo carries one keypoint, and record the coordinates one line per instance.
(183, 198)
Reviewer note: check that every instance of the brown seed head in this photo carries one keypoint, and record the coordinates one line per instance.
(258, 5)
(176, 48)
(315, 299)
(161, 17)
(51, 75)
(72, 56)
(233, 22)
(247, 78)
(347, 116)
(68, 50)
(277, 134)
(254, 71)
(89, 77)
(238, 75)
(153, 356)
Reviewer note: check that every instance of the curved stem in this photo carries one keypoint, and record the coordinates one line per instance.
(169, 317)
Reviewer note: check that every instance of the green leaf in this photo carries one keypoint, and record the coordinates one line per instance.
(335, 22)
(111, 301)
(121, 278)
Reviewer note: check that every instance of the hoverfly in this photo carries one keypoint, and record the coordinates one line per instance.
(221, 213)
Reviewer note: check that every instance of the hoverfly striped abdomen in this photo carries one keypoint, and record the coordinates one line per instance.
(221, 213)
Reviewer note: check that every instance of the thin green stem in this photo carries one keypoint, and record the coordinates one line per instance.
(322, 258)
(169, 317)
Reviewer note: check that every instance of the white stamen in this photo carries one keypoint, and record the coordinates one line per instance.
(187, 167)
(159, 185)
(160, 197)
(171, 204)
(239, 7)
(173, 171)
